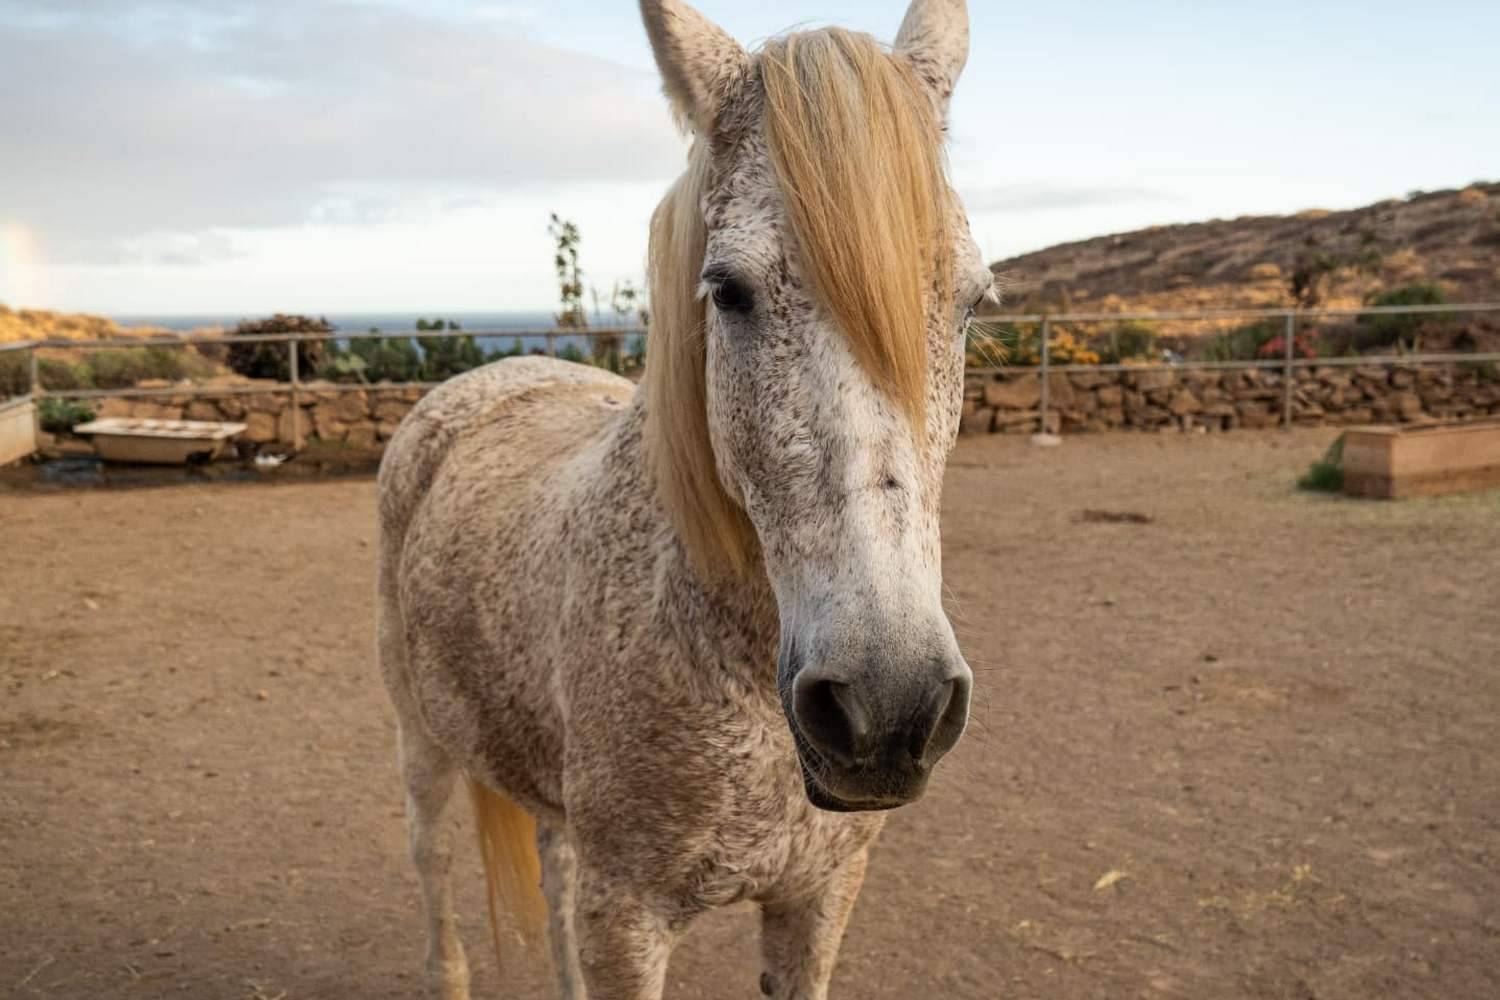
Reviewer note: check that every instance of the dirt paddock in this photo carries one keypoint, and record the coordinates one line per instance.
(1247, 749)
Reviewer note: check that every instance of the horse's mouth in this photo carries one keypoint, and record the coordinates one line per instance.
(829, 801)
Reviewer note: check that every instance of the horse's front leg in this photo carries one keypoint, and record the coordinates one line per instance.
(623, 944)
(800, 939)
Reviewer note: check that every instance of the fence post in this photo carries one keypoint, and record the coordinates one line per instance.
(551, 345)
(293, 366)
(35, 374)
(1288, 376)
(1046, 367)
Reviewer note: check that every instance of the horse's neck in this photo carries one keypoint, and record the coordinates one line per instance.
(726, 627)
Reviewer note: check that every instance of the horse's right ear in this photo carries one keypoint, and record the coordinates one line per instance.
(700, 64)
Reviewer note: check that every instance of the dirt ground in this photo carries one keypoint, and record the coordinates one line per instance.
(1245, 750)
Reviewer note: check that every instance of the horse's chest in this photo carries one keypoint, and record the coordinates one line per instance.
(771, 843)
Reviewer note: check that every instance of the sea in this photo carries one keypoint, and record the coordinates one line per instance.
(493, 325)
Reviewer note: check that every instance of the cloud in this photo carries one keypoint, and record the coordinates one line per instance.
(1044, 196)
(144, 130)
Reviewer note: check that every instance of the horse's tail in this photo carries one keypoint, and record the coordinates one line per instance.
(512, 866)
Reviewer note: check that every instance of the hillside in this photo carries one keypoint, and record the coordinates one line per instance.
(1450, 239)
(40, 324)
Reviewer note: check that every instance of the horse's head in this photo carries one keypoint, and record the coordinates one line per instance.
(812, 275)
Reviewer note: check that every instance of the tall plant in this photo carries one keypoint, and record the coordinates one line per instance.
(572, 315)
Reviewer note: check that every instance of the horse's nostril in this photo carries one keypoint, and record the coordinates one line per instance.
(949, 714)
(834, 720)
(929, 721)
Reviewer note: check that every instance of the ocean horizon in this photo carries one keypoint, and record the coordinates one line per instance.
(358, 322)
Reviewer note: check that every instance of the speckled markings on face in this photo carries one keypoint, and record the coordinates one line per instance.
(544, 628)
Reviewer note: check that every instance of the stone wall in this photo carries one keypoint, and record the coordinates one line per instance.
(361, 418)
(1005, 402)
(1166, 399)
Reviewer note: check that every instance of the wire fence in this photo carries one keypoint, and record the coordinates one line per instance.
(1291, 323)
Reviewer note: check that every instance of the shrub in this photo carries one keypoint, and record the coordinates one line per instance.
(389, 360)
(445, 357)
(60, 416)
(120, 368)
(15, 374)
(1276, 348)
(1327, 474)
(1244, 343)
(1129, 341)
(57, 373)
(1401, 332)
(272, 360)
(990, 346)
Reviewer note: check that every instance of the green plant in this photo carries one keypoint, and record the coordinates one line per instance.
(60, 416)
(1395, 330)
(570, 352)
(121, 368)
(1241, 344)
(1485, 371)
(1128, 341)
(273, 360)
(15, 374)
(59, 373)
(445, 357)
(569, 275)
(1327, 474)
(388, 360)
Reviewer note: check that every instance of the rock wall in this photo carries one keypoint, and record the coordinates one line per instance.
(1165, 399)
(1005, 402)
(361, 418)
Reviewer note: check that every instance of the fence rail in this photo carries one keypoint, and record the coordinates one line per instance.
(296, 384)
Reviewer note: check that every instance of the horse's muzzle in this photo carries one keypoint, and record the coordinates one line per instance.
(868, 738)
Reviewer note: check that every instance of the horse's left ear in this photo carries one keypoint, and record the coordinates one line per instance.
(700, 65)
(935, 37)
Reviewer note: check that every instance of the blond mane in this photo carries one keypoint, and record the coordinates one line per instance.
(858, 154)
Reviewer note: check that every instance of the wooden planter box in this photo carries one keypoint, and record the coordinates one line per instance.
(158, 442)
(1395, 462)
(17, 430)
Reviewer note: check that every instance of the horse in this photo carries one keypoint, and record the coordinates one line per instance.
(686, 643)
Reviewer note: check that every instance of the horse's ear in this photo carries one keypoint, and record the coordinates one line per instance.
(700, 64)
(935, 37)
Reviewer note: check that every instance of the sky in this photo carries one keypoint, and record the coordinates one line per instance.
(166, 157)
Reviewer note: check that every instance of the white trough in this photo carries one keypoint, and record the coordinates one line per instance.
(158, 442)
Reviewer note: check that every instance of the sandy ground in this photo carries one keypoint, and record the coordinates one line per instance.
(1275, 714)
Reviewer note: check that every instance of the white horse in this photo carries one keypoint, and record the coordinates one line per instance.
(696, 631)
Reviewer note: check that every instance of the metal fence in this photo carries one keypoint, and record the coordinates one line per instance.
(296, 384)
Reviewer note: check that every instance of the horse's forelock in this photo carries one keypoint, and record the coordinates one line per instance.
(857, 150)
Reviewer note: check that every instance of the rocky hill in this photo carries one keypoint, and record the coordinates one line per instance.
(1447, 239)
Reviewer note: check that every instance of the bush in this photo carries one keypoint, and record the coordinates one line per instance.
(1244, 343)
(121, 368)
(1276, 348)
(1401, 332)
(15, 374)
(1130, 341)
(445, 357)
(56, 373)
(1327, 474)
(272, 360)
(60, 416)
(992, 346)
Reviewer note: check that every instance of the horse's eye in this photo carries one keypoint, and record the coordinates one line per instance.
(730, 295)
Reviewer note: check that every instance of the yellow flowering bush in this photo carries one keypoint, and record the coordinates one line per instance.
(993, 348)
